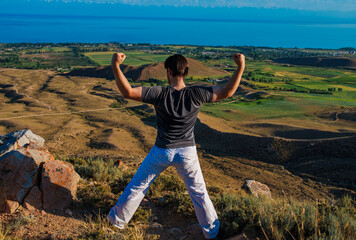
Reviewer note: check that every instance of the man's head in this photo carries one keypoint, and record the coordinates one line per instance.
(177, 65)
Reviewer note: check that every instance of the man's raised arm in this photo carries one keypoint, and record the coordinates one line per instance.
(220, 93)
(121, 81)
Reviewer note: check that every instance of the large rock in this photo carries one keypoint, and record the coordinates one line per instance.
(58, 184)
(19, 139)
(256, 188)
(34, 199)
(19, 173)
(22, 158)
(10, 206)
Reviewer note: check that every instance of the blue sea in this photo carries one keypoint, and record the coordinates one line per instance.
(213, 32)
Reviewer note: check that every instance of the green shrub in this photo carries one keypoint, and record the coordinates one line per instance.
(97, 169)
(95, 196)
(142, 215)
(286, 218)
(180, 203)
(164, 183)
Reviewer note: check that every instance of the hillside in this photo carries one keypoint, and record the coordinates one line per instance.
(320, 62)
(148, 71)
(306, 155)
(85, 116)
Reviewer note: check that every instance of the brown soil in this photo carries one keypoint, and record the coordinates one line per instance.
(303, 159)
(148, 71)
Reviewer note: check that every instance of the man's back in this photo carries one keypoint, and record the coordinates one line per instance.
(176, 112)
(177, 107)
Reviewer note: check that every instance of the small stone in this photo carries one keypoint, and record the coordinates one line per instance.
(50, 237)
(156, 228)
(144, 202)
(43, 212)
(256, 188)
(11, 206)
(120, 164)
(69, 212)
(154, 218)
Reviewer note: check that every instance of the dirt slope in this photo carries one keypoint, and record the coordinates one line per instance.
(74, 115)
(148, 71)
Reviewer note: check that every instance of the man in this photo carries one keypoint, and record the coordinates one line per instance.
(176, 108)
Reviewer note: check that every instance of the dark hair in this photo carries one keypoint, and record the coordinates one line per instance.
(177, 64)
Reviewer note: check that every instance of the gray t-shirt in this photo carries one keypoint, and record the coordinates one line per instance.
(176, 112)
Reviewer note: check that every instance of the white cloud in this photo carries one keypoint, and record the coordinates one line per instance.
(321, 5)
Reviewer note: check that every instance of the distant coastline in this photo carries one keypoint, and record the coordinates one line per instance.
(34, 28)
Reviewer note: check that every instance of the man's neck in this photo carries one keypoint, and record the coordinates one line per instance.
(177, 83)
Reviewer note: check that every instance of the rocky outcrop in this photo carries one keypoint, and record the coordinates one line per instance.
(256, 188)
(58, 184)
(19, 139)
(34, 199)
(29, 175)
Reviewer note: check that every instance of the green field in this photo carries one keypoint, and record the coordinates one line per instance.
(133, 58)
(283, 101)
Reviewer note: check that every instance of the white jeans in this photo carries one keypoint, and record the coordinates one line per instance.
(185, 160)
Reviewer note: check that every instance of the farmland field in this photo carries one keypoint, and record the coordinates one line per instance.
(134, 58)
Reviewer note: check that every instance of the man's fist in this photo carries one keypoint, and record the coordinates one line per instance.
(118, 58)
(239, 59)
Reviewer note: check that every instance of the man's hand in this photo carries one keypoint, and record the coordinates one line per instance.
(231, 86)
(121, 81)
(239, 59)
(118, 58)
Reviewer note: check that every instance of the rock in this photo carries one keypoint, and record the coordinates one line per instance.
(194, 229)
(19, 139)
(34, 199)
(144, 203)
(10, 206)
(68, 212)
(121, 165)
(19, 173)
(156, 228)
(22, 157)
(59, 184)
(256, 188)
(50, 237)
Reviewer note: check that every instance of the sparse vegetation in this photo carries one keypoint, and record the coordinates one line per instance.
(7, 230)
(278, 218)
(286, 218)
(289, 103)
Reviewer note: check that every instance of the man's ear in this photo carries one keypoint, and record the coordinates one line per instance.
(169, 71)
